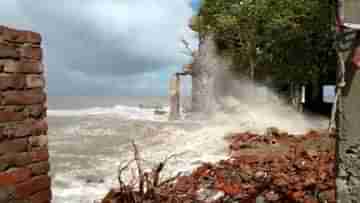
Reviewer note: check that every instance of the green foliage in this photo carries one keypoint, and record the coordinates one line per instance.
(291, 40)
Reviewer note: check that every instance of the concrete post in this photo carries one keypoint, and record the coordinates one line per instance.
(175, 98)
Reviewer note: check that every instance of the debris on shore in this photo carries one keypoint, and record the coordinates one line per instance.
(276, 167)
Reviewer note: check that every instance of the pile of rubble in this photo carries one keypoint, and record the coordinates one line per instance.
(272, 168)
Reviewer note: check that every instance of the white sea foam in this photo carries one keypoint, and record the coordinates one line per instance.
(76, 190)
(126, 112)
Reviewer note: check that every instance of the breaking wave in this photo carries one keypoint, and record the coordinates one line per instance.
(126, 112)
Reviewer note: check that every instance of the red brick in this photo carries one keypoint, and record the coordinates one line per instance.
(36, 110)
(27, 128)
(2, 29)
(17, 130)
(14, 159)
(11, 81)
(35, 81)
(32, 53)
(296, 195)
(7, 193)
(36, 184)
(23, 97)
(15, 176)
(17, 145)
(2, 136)
(5, 162)
(38, 141)
(8, 34)
(23, 66)
(41, 197)
(33, 37)
(40, 155)
(7, 179)
(22, 159)
(19, 36)
(40, 168)
(20, 174)
(40, 127)
(7, 116)
(7, 51)
(28, 37)
(246, 158)
(3, 63)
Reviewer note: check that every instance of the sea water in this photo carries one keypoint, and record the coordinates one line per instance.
(89, 137)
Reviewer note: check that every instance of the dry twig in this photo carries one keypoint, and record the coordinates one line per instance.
(148, 184)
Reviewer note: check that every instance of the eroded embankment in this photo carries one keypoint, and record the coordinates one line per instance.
(275, 168)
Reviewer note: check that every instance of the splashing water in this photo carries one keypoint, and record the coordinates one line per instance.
(236, 101)
(92, 142)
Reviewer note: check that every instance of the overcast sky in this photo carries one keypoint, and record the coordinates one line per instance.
(106, 47)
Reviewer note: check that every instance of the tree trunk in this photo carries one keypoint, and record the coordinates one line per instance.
(204, 73)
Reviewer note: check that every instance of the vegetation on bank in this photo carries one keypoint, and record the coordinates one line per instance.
(288, 40)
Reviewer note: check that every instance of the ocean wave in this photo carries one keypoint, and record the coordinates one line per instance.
(126, 112)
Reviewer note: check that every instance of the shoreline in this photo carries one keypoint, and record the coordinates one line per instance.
(278, 167)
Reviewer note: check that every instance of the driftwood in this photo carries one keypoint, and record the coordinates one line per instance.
(143, 186)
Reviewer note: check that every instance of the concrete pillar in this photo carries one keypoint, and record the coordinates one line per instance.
(175, 98)
(24, 156)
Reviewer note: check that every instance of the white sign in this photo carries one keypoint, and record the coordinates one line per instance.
(329, 93)
(349, 10)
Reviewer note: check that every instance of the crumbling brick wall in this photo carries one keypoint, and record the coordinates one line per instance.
(24, 154)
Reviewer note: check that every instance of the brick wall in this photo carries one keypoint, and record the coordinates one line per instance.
(24, 154)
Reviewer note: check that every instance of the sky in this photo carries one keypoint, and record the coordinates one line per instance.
(107, 47)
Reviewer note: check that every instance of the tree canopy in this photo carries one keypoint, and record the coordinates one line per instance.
(290, 40)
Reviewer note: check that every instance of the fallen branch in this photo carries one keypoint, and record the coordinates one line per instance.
(120, 171)
(139, 168)
(143, 186)
(157, 170)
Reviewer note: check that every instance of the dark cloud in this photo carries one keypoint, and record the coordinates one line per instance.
(111, 37)
(94, 45)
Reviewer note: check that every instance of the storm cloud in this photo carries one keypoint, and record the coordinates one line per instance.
(112, 45)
